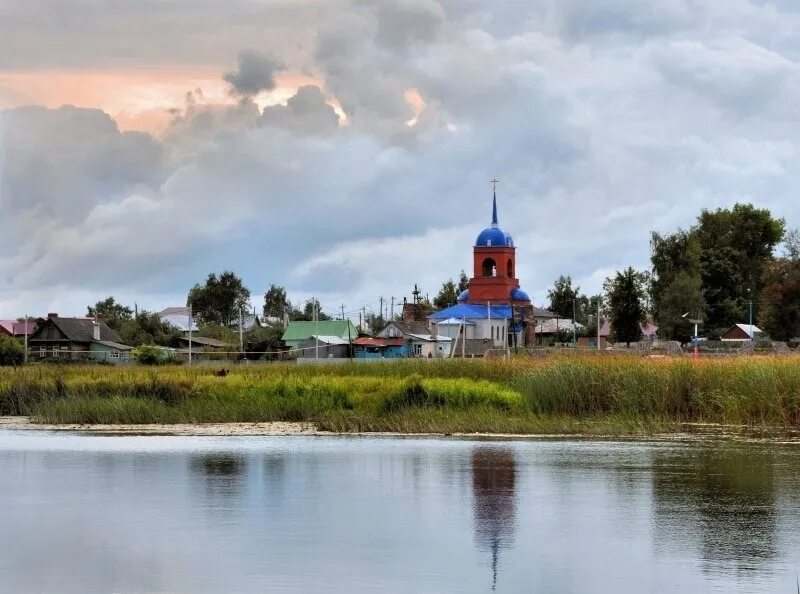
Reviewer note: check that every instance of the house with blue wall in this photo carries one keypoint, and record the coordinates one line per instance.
(381, 348)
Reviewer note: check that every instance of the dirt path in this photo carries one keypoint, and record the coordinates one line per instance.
(275, 428)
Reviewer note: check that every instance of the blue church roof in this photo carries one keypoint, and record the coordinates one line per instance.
(517, 294)
(494, 236)
(472, 312)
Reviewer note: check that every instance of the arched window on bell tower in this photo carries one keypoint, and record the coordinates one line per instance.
(510, 268)
(489, 267)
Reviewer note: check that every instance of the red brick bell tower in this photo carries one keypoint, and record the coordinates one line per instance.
(494, 267)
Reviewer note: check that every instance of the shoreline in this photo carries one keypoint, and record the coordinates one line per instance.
(692, 432)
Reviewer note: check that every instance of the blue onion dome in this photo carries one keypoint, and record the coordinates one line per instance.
(518, 294)
(494, 236)
(463, 296)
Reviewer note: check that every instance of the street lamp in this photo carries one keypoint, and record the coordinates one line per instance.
(696, 323)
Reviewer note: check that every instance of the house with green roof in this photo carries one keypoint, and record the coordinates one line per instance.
(296, 332)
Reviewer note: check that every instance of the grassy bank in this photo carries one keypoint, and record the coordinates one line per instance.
(570, 394)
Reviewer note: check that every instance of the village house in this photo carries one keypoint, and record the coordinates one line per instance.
(649, 331)
(422, 342)
(369, 347)
(742, 332)
(17, 329)
(179, 318)
(77, 339)
(323, 347)
(302, 330)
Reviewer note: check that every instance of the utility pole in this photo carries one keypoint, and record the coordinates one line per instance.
(464, 335)
(598, 323)
(751, 321)
(241, 333)
(574, 330)
(190, 334)
(391, 315)
(316, 327)
(349, 337)
(26, 338)
(380, 311)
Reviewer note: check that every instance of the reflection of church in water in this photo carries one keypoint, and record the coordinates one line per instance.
(494, 506)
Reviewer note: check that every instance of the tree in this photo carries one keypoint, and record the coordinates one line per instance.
(780, 310)
(112, 313)
(626, 294)
(463, 282)
(727, 249)
(683, 295)
(307, 313)
(147, 328)
(11, 351)
(374, 322)
(448, 295)
(561, 297)
(276, 302)
(791, 245)
(267, 339)
(220, 299)
(735, 244)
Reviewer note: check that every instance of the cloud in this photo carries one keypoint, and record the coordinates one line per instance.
(255, 72)
(306, 112)
(602, 122)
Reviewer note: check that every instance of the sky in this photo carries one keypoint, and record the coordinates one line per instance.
(343, 148)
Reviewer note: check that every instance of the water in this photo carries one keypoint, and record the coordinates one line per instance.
(128, 514)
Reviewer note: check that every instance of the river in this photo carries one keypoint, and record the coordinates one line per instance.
(158, 514)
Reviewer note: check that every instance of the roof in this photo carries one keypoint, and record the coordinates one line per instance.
(379, 342)
(408, 327)
(303, 329)
(430, 337)
(515, 294)
(178, 317)
(455, 322)
(472, 312)
(748, 329)
(330, 340)
(553, 325)
(80, 329)
(648, 329)
(538, 312)
(204, 341)
(15, 328)
(114, 345)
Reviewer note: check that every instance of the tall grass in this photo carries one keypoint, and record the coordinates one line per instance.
(554, 395)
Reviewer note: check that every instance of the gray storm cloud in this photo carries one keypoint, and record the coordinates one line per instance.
(255, 72)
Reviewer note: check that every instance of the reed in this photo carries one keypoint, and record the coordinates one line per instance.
(563, 394)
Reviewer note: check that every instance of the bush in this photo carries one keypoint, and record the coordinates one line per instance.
(11, 351)
(153, 355)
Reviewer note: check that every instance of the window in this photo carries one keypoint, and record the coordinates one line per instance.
(42, 351)
(489, 267)
(510, 268)
(492, 332)
(416, 349)
(114, 354)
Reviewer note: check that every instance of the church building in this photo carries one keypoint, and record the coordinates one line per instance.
(491, 310)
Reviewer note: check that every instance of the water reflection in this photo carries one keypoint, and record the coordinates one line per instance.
(721, 501)
(222, 473)
(494, 505)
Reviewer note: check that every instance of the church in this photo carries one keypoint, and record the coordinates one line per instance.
(490, 313)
